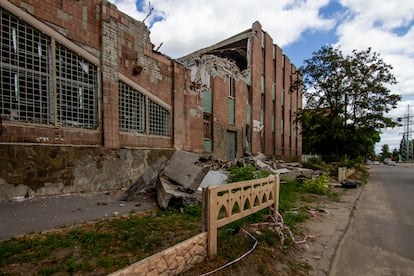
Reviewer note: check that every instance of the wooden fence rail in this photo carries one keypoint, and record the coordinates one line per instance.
(226, 203)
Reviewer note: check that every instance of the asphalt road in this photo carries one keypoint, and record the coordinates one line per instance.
(48, 213)
(380, 237)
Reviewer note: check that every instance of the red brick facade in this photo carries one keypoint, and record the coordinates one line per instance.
(264, 72)
(121, 50)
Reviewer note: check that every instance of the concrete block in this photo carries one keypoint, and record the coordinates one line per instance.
(166, 191)
(183, 169)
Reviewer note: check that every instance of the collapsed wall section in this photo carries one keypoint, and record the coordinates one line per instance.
(221, 87)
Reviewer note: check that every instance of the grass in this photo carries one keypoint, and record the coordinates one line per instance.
(109, 245)
(99, 248)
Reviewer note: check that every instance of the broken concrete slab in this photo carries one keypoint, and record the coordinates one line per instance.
(166, 191)
(184, 170)
(213, 178)
(147, 181)
(282, 171)
(260, 165)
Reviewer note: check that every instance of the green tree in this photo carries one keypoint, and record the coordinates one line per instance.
(346, 99)
(385, 152)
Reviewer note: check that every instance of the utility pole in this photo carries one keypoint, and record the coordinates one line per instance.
(407, 143)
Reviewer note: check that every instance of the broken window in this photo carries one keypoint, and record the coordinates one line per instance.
(24, 72)
(132, 109)
(134, 113)
(208, 126)
(76, 82)
(230, 83)
(27, 83)
(208, 120)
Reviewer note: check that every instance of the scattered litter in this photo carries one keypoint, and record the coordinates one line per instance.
(349, 184)
(318, 211)
(122, 204)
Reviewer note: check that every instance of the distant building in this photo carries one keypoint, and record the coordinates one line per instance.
(82, 86)
(250, 100)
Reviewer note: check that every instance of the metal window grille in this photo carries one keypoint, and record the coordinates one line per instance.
(24, 72)
(27, 93)
(132, 109)
(159, 120)
(76, 81)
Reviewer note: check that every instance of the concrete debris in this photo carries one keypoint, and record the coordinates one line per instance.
(185, 170)
(166, 191)
(147, 181)
(260, 165)
(183, 177)
(282, 171)
(213, 178)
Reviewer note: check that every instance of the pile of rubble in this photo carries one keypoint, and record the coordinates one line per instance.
(183, 177)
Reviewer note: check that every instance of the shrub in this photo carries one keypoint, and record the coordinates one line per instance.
(245, 173)
(316, 186)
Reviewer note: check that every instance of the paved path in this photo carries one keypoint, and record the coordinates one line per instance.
(47, 213)
(380, 239)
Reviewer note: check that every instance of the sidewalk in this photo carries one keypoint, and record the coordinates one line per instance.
(48, 213)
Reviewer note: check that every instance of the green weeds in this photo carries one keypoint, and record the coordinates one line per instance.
(104, 246)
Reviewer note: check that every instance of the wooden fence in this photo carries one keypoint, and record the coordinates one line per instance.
(226, 203)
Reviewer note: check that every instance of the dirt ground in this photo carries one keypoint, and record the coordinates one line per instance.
(328, 229)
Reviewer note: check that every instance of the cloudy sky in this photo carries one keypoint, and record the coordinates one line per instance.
(299, 27)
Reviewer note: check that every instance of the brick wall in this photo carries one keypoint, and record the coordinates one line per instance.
(256, 65)
(120, 45)
(268, 139)
(287, 122)
(278, 94)
(77, 20)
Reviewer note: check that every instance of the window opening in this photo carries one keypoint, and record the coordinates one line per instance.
(76, 82)
(138, 113)
(24, 72)
(27, 79)
(132, 109)
(159, 119)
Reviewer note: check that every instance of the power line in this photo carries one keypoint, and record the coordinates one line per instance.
(406, 146)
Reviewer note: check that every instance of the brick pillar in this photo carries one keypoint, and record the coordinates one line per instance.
(110, 87)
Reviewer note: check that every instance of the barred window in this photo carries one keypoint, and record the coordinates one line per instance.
(159, 119)
(24, 72)
(76, 82)
(138, 113)
(27, 84)
(131, 109)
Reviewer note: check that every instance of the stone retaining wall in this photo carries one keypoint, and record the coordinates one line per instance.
(43, 170)
(172, 261)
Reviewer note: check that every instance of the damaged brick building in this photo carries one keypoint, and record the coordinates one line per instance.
(250, 100)
(87, 104)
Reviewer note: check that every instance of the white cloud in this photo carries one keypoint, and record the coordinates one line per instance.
(372, 23)
(189, 25)
(129, 7)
